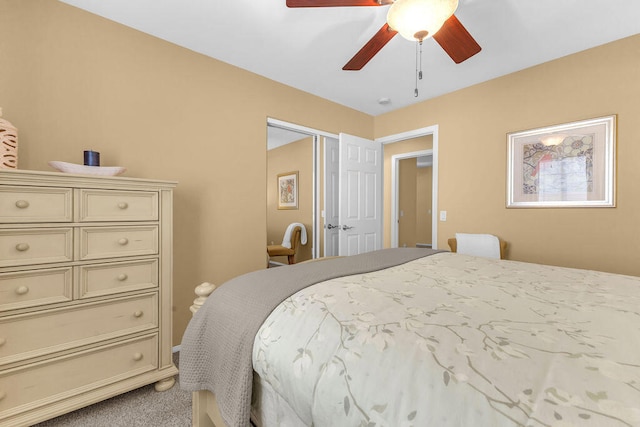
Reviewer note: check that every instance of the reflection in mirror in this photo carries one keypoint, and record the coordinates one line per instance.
(289, 154)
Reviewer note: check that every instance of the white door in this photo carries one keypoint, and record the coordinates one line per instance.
(331, 196)
(360, 197)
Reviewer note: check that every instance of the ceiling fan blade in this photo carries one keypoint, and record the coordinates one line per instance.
(334, 3)
(456, 40)
(370, 49)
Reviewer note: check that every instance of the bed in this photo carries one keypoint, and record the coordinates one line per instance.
(415, 337)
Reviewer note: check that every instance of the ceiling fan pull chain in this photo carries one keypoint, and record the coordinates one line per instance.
(415, 91)
(420, 73)
(418, 66)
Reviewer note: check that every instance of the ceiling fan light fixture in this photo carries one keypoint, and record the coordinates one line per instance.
(419, 19)
(553, 139)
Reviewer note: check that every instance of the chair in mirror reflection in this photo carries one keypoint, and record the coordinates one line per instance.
(294, 236)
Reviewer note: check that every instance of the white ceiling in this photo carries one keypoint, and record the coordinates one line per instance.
(277, 137)
(307, 47)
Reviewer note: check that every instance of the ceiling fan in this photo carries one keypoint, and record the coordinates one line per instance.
(413, 19)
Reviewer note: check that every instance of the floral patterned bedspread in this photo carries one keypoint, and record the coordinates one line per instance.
(455, 340)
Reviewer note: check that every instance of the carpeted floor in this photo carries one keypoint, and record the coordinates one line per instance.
(137, 408)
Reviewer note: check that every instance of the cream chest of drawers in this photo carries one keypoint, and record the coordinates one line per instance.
(85, 291)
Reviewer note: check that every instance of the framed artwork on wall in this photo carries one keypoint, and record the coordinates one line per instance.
(567, 165)
(288, 190)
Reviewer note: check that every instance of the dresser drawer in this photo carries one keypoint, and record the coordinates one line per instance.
(28, 387)
(103, 279)
(113, 205)
(30, 335)
(109, 242)
(34, 287)
(35, 204)
(35, 246)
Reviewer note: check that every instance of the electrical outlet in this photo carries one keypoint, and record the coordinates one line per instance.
(443, 216)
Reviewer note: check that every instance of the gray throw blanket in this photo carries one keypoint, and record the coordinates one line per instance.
(216, 350)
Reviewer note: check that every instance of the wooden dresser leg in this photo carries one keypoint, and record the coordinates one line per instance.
(165, 384)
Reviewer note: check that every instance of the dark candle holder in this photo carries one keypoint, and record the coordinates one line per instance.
(91, 158)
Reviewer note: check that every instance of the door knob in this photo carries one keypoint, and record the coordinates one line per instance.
(346, 227)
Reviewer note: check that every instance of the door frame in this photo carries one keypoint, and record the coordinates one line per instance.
(315, 210)
(430, 130)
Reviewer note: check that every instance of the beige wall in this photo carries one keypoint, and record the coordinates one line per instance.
(70, 80)
(296, 156)
(414, 203)
(473, 124)
(407, 203)
(424, 199)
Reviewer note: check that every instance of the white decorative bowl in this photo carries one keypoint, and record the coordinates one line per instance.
(87, 170)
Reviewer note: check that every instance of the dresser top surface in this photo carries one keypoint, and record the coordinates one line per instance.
(40, 178)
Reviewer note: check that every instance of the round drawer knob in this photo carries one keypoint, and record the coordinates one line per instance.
(3, 341)
(138, 314)
(22, 247)
(123, 241)
(137, 357)
(123, 205)
(122, 277)
(22, 290)
(22, 204)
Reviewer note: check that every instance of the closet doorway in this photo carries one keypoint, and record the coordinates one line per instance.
(352, 189)
(409, 145)
(414, 177)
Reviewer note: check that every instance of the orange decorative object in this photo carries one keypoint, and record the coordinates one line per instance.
(8, 144)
